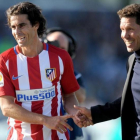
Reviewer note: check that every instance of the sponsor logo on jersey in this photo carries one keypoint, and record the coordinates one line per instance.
(15, 78)
(51, 74)
(1, 80)
(35, 95)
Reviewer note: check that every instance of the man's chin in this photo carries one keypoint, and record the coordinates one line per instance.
(20, 45)
(130, 50)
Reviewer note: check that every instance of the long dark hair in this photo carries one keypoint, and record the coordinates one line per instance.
(32, 11)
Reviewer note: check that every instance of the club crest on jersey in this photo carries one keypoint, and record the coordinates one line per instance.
(51, 73)
(1, 80)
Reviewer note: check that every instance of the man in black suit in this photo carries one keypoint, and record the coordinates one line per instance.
(128, 106)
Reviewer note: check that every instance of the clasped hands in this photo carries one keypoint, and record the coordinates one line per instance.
(82, 118)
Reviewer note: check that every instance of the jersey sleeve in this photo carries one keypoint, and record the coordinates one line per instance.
(6, 86)
(68, 82)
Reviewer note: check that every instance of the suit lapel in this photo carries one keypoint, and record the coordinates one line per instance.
(131, 63)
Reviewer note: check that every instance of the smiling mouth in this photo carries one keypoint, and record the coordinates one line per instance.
(128, 43)
(21, 39)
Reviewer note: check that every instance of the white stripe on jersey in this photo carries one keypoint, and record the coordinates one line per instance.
(22, 69)
(45, 63)
(59, 86)
(63, 137)
(46, 133)
(11, 122)
(59, 99)
(61, 66)
(60, 136)
(26, 131)
(14, 136)
(7, 65)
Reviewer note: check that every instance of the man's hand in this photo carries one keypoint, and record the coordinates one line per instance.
(58, 123)
(83, 116)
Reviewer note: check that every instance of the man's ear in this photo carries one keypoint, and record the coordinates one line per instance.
(36, 25)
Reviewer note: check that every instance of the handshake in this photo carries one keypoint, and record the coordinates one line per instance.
(83, 117)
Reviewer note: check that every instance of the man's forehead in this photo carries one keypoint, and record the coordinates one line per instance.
(128, 20)
(18, 19)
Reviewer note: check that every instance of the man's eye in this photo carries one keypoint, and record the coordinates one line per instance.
(21, 25)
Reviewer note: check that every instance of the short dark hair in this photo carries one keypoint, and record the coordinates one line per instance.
(132, 10)
(32, 11)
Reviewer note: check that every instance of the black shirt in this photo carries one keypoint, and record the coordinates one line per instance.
(135, 86)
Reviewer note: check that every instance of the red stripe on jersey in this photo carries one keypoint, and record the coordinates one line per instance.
(10, 129)
(54, 63)
(54, 107)
(66, 133)
(45, 46)
(34, 72)
(14, 72)
(34, 75)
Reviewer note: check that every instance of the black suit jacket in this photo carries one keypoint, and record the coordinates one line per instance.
(122, 107)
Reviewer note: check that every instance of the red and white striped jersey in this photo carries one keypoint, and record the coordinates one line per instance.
(46, 76)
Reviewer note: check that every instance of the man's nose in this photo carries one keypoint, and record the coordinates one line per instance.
(125, 34)
(17, 30)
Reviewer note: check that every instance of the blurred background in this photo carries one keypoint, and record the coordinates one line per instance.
(101, 54)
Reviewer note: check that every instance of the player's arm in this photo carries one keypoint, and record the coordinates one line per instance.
(69, 101)
(81, 95)
(10, 109)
